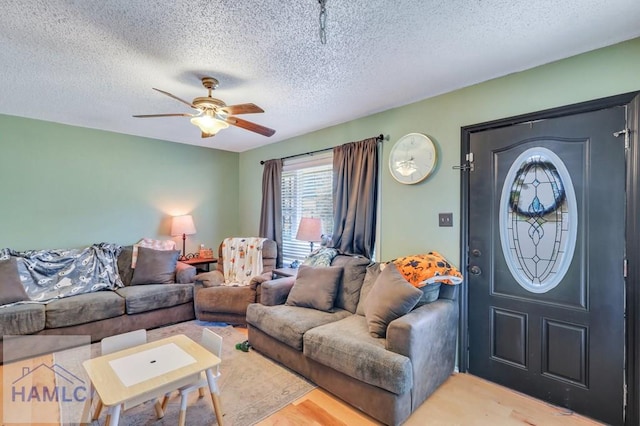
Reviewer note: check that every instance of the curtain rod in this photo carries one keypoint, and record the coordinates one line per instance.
(380, 138)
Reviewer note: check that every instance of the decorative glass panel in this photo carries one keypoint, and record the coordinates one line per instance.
(538, 220)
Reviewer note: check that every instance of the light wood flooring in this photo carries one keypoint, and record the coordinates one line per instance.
(462, 400)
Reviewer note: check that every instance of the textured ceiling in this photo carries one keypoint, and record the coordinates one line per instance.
(92, 63)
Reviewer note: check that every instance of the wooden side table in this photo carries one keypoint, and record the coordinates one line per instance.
(285, 272)
(201, 262)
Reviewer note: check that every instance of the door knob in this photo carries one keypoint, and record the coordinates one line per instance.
(475, 270)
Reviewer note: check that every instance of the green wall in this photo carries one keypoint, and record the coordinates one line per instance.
(65, 186)
(409, 212)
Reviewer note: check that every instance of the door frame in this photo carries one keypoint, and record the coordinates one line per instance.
(632, 296)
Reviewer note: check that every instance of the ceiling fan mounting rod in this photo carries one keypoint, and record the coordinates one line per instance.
(209, 83)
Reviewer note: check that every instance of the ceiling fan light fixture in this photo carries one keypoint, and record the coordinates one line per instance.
(209, 124)
(213, 114)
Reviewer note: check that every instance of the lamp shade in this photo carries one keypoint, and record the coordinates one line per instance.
(182, 225)
(310, 229)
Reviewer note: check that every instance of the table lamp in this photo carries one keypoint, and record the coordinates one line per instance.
(310, 229)
(182, 225)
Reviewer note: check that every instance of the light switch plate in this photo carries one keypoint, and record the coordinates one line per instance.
(445, 219)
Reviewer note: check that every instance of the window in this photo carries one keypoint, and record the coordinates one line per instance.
(307, 191)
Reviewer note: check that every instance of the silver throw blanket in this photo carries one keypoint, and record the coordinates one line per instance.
(53, 274)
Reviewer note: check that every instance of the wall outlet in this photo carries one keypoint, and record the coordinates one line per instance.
(445, 219)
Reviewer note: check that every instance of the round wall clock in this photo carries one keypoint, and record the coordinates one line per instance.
(412, 158)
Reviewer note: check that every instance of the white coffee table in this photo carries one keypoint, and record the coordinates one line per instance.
(147, 372)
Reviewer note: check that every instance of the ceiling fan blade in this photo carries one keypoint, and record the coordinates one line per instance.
(207, 135)
(265, 131)
(242, 109)
(175, 97)
(164, 115)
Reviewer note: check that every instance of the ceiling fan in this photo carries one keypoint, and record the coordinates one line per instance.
(213, 114)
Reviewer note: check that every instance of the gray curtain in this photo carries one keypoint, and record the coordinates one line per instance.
(271, 213)
(355, 193)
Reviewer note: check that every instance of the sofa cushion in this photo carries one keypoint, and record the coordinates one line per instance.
(11, 288)
(346, 346)
(143, 298)
(315, 287)
(83, 308)
(223, 299)
(390, 297)
(22, 319)
(355, 268)
(155, 266)
(289, 323)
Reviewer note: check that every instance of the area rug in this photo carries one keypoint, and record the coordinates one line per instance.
(252, 387)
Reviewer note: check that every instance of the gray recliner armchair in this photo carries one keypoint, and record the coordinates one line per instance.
(222, 303)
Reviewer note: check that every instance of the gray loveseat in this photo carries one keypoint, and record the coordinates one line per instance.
(387, 378)
(104, 313)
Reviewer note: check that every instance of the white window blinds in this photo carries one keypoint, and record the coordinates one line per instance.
(306, 192)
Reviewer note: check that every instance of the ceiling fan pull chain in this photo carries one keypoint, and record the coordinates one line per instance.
(323, 21)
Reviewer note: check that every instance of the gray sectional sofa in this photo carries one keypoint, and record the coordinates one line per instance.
(385, 377)
(104, 313)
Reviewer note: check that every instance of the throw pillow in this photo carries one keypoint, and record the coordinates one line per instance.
(430, 293)
(155, 266)
(390, 297)
(373, 270)
(423, 269)
(321, 257)
(315, 287)
(124, 265)
(11, 288)
(153, 244)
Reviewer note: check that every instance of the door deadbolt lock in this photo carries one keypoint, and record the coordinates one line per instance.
(475, 270)
(476, 253)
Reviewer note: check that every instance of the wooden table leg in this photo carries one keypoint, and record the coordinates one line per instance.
(86, 413)
(96, 414)
(217, 407)
(183, 418)
(158, 406)
(213, 388)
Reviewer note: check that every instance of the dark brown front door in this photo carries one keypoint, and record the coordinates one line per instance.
(546, 237)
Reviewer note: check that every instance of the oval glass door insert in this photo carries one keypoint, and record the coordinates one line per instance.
(538, 220)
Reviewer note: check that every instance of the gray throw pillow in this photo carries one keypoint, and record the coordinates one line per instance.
(124, 265)
(390, 297)
(315, 287)
(370, 277)
(155, 266)
(430, 293)
(11, 288)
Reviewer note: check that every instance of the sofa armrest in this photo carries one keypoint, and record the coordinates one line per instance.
(185, 273)
(275, 292)
(259, 279)
(428, 336)
(210, 279)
